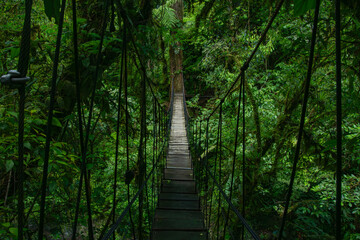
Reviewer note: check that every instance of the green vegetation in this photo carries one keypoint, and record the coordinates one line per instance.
(214, 38)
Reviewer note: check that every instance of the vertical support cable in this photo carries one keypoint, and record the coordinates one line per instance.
(21, 216)
(49, 122)
(22, 69)
(214, 174)
(154, 153)
(142, 152)
(338, 120)
(206, 173)
(302, 120)
(79, 112)
(220, 166)
(243, 151)
(198, 152)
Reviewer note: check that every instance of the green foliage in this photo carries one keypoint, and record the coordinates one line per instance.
(165, 16)
(214, 52)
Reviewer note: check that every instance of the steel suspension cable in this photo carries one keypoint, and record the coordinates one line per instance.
(302, 120)
(49, 122)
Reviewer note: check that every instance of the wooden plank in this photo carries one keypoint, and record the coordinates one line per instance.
(178, 215)
(171, 186)
(179, 204)
(190, 223)
(179, 235)
(178, 174)
(178, 196)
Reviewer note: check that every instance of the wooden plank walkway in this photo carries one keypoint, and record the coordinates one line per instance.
(178, 215)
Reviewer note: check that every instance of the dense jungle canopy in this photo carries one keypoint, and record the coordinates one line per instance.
(201, 45)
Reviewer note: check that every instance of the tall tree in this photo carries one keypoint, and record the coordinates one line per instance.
(175, 51)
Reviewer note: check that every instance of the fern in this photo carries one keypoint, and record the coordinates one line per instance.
(165, 16)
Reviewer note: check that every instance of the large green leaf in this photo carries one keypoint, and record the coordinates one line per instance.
(9, 165)
(52, 9)
(302, 6)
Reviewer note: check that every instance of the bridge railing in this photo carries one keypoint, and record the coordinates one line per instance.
(143, 174)
(208, 163)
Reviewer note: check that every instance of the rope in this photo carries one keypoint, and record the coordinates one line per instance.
(49, 121)
(338, 119)
(302, 120)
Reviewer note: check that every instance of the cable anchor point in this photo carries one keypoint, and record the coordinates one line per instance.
(14, 79)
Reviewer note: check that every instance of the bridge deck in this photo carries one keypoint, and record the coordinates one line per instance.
(178, 215)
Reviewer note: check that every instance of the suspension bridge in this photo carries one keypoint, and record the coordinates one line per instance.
(181, 190)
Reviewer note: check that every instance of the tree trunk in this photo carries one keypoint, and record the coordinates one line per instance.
(176, 54)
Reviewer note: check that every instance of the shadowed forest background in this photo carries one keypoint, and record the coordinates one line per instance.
(201, 45)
